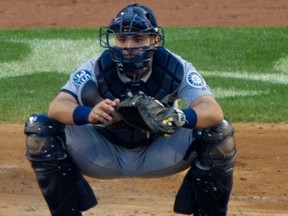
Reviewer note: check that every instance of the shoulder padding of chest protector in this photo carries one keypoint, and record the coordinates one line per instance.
(167, 74)
(109, 84)
(165, 79)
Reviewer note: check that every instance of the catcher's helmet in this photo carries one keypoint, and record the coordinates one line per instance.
(133, 20)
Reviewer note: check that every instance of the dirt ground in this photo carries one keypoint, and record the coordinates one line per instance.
(261, 173)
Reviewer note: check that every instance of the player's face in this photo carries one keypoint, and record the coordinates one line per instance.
(133, 41)
(130, 44)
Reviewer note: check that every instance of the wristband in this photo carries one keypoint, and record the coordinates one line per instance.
(191, 118)
(81, 114)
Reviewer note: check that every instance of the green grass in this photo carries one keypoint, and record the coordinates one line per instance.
(266, 106)
(230, 49)
(46, 34)
(13, 51)
(246, 68)
(24, 95)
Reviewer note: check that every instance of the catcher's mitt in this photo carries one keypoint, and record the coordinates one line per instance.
(145, 113)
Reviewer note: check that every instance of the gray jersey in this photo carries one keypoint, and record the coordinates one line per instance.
(99, 157)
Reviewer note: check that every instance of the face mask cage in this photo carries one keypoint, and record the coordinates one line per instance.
(107, 36)
(132, 63)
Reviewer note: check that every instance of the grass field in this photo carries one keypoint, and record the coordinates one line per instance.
(247, 68)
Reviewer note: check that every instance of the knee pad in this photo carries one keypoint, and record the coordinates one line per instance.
(216, 147)
(45, 138)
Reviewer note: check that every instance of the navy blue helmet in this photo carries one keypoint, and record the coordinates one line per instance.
(133, 20)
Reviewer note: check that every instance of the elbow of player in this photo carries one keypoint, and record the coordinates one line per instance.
(218, 117)
(51, 112)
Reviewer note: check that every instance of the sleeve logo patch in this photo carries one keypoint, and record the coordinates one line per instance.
(81, 76)
(194, 79)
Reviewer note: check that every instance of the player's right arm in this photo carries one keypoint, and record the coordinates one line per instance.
(63, 107)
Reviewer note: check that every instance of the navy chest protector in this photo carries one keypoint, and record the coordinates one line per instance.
(166, 77)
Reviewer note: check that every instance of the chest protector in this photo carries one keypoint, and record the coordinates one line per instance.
(166, 77)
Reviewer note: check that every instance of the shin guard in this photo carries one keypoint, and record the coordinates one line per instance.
(65, 190)
(204, 194)
(207, 186)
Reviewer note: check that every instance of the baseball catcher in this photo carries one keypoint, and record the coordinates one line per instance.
(115, 118)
